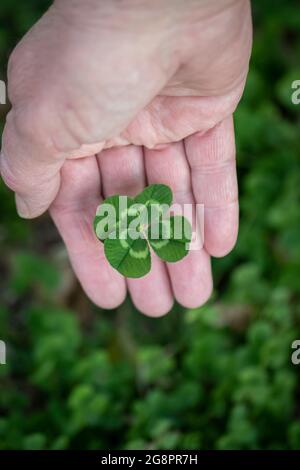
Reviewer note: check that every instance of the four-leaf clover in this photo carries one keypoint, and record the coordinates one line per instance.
(130, 226)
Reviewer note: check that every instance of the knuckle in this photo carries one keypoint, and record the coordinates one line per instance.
(47, 123)
(18, 69)
(12, 181)
(33, 126)
(14, 62)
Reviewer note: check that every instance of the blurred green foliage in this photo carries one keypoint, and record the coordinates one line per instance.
(219, 377)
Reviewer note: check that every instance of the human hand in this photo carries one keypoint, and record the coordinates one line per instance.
(146, 91)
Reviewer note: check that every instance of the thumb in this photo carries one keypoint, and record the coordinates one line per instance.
(30, 168)
(30, 165)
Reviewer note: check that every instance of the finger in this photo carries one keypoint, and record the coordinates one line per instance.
(212, 160)
(191, 277)
(73, 212)
(172, 118)
(152, 294)
(30, 163)
(122, 171)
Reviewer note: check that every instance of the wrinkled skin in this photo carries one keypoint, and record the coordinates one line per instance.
(108, 97)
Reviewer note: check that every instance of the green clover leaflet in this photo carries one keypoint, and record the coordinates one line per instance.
(128, 227)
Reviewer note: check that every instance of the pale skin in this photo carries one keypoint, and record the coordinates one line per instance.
(109, 96)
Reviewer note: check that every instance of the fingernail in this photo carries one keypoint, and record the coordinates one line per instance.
(22, 207)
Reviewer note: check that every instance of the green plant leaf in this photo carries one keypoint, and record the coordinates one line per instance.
(170, 238)
(155, 194)
(131, 257)
(124, 224)
(103, 225)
